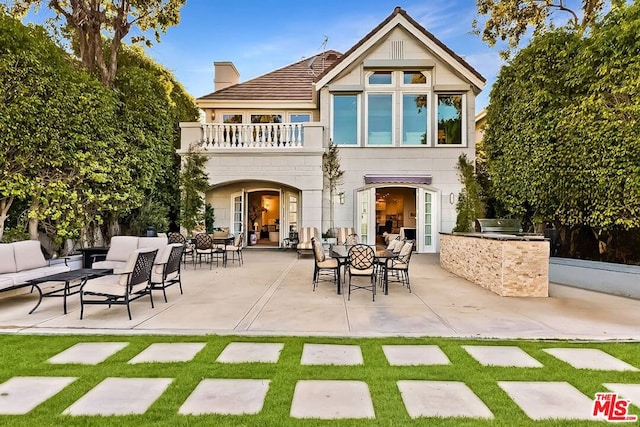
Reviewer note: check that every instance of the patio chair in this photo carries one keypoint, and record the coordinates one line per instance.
(236, 249)
(361, 263)
(121, 289)
(352, 239)
(204, 247)
(343, 233)
(304, 239)
(166, 272)
(188, 252)
(397, 269)
(323, 265)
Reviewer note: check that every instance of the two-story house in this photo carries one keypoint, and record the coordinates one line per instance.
(400, 106)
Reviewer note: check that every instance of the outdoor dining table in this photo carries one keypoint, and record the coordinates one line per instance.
(341, 253)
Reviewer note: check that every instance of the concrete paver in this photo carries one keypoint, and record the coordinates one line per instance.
(589, 358)
(88, 353)
(331, 354)
(501, 355)
(226, 396)
(168, 352)
(543, 400)
(626, 391)
(120, 396)
(331, 400)
(411, 355)
(19, 395)
(441, 399)
(248, 352)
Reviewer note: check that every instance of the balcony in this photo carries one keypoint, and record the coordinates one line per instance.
(263, 135)
(250, 138)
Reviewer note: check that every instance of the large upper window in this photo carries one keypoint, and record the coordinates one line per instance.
(414, 119)
(450, 119)
(345, 119)
(379, 119)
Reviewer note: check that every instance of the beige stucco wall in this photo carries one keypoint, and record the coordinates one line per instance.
(506, 267)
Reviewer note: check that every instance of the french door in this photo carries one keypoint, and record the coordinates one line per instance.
(237, 213)
(427, 217)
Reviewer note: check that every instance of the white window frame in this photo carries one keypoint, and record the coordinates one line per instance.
(358, 118)
(393, 118)
(434, 133)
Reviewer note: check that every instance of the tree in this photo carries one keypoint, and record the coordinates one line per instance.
(89, 21)
(333, 176)
(193, 182)
(562, 134)
(59, 132)
(469, 206)
(509, 20)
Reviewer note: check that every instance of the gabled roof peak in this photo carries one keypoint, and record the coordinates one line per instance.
(437, 45)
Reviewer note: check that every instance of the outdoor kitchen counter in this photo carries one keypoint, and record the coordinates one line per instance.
(507, 264)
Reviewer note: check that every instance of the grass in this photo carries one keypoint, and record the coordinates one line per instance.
(26, 355)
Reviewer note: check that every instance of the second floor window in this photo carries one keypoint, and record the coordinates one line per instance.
(345, 119)
(266, 118)
(450, 119)
(379, 119)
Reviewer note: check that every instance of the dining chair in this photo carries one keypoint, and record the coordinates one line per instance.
(236, 249)
(204, 247)
(398, 267)
(188, 252)
(361, 263)
(352, 239)
(323, 265)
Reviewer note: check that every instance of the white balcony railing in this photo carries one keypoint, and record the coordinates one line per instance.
(263, 135)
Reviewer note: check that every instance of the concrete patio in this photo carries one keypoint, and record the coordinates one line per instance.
(272, 295)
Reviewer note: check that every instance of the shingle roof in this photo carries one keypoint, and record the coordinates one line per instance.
(293, 82)
(400, 11)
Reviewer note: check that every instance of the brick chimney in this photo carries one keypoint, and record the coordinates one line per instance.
(224, 75)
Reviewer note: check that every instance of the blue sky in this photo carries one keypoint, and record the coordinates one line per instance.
(261, 36)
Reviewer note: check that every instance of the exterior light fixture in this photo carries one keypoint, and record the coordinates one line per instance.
(452, 198)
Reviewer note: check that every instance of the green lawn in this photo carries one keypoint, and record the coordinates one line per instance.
(26, 355)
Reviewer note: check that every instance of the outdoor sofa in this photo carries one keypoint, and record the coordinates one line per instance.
(23, 261)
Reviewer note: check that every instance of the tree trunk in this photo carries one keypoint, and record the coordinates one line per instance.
(331, 216)
(5, 204)
(33, 228)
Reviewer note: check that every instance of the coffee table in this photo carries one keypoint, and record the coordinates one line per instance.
(73, 281)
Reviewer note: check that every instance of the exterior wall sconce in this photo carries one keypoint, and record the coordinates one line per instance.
(452, 198)
(341, 198)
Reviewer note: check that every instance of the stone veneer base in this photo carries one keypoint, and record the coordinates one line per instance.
(508, 267)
